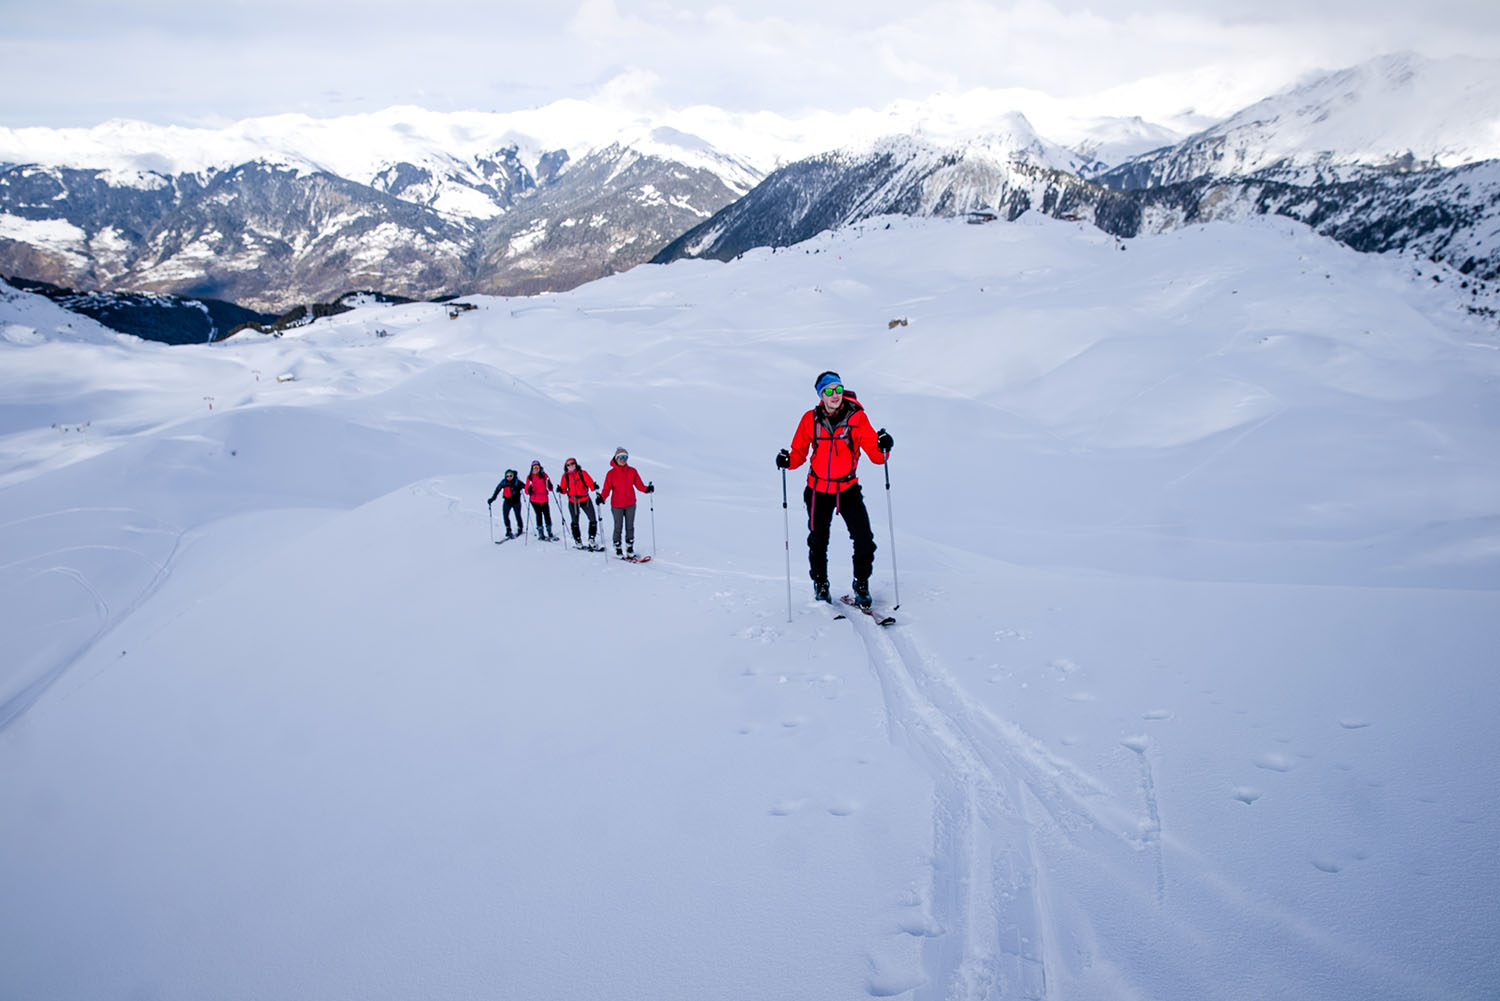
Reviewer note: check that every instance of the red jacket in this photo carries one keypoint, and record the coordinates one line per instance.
(620, 484)
(577, 485)
(834, 443)
(538, 486)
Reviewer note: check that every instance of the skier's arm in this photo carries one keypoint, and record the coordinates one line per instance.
(802, 440)
(864, 436)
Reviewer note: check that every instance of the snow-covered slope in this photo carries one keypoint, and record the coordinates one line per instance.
(30, 319)
(1399, 112)
(1191, 697)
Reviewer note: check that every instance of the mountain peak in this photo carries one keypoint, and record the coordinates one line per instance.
(1397, 110)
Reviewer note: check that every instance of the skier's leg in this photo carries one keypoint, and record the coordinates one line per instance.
(588, 507)
(857, 520)
(819, 518)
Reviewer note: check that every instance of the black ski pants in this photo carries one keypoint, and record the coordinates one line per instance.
(543, 515)
(513, 505)
(850, 505)
(587, 507)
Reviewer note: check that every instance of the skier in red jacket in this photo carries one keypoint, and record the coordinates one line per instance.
(576, 486)
(539, 490)
(834, 432)
(620, 485)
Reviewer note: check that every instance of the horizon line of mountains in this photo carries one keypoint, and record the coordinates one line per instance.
(253, 241)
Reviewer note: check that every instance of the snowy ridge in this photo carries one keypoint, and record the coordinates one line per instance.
(1004, 174)
(27, 320)
(1398, 112)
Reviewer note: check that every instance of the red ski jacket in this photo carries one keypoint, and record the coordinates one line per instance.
(577, 485)
(620, 484)
(538, 486)
(834, 443)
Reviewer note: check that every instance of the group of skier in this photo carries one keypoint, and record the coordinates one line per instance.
(581, 492)
(828, 439)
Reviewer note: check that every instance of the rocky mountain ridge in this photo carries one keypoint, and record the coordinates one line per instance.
(272, 235)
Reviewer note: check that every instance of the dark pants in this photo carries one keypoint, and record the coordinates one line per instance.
(543, 515)
(587, 507)
(850, 504)
(513, 505)
(624, 516)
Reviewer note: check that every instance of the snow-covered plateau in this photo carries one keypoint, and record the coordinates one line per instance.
(1196, 546)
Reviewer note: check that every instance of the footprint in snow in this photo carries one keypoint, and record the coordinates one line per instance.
(1273, 762)
(1246, 794)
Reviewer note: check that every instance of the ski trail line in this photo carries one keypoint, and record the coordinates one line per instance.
(15, 707)
(989, 935)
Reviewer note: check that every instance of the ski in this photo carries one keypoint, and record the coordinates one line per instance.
(634, 559)
(880, 617)
(589, 549)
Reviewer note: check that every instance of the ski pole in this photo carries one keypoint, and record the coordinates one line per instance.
(786, 527)
(491, 506)
(526, 526)
(891, 517)
(651, 503)
(563, 519)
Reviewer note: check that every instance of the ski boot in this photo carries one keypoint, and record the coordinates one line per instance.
(820, 591)
(862, 593)
(619, 552)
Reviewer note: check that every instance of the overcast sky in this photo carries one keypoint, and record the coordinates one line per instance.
(211, 62)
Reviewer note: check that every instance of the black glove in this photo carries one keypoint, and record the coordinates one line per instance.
(783, 459)
(491, 502)
(650, 488)
(598, 498)
(883, 440)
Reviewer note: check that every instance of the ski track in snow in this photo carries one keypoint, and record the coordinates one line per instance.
(1008, 816)
(989, 931)
(31, 690)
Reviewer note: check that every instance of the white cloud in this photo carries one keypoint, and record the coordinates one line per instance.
(74, 62)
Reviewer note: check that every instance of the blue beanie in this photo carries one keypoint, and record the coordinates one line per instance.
(827, 379)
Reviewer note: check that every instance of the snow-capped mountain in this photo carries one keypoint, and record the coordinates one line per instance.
(272, 235)
(287, 210)
(1003, 174)
(280, 211)
(1395, 113)
(1108, 142)
(1396, 154)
